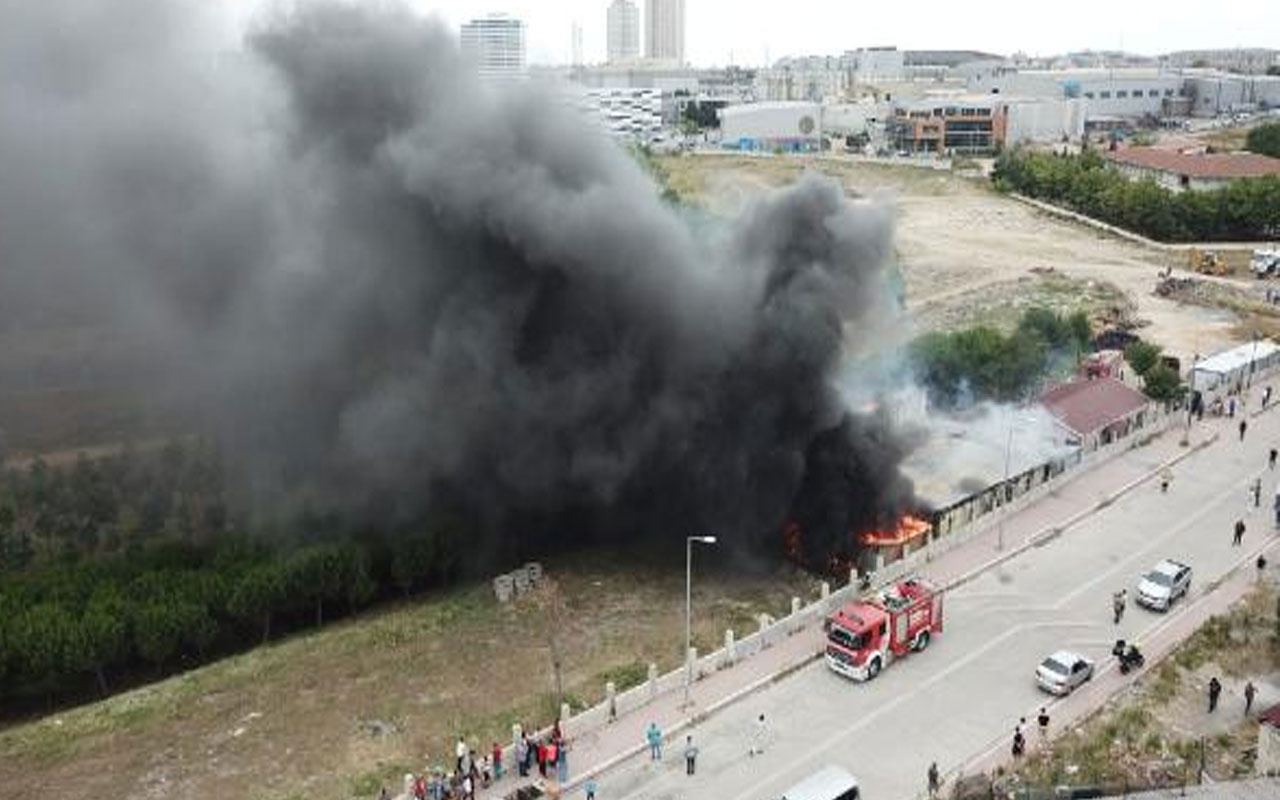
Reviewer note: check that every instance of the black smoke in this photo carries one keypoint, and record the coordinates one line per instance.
(393, 290)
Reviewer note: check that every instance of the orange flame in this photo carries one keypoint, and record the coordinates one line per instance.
(909, 528)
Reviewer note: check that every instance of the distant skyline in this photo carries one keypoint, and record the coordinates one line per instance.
(718, 30)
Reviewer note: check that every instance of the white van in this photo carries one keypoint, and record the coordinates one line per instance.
(831, 783)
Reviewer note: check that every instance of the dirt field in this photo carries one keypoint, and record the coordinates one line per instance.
(968, 253)
(332, 714)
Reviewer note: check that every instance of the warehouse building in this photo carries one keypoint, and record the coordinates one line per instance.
(790, 127)
(981, 123)
(1126, 92)
(1180, 171)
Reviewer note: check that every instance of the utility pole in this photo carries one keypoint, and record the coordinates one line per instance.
(688, 609)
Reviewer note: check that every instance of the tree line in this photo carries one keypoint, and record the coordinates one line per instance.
(1244, 210)
(129, 567)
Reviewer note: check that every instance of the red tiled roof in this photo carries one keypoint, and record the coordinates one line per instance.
(1271, 716)
(1210, 165)
(1089, 406)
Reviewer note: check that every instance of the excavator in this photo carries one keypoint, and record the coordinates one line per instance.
(1208, 262)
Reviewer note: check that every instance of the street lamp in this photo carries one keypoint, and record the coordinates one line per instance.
(688, 607)
(1004, 487)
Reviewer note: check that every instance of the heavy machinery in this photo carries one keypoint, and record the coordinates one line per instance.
(1208, 262)
(865, 636)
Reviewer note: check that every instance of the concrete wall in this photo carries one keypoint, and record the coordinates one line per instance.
(1045, 121)
(1212, 95)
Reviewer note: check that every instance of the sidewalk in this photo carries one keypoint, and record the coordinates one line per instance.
(596, 751)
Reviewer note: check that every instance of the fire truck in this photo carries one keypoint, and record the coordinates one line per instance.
(865, 636)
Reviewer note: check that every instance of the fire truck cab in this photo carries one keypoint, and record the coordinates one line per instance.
(865, 636)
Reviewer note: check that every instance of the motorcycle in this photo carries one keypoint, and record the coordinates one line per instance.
(1129, 657)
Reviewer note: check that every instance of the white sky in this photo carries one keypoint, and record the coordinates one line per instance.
(748, 30)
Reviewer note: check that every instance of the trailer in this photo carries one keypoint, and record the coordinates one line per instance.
(865, 636)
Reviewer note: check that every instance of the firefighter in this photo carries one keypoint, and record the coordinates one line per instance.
(934, 781)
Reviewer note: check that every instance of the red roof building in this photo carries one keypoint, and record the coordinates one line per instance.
(1097, 412)
(1178, 171)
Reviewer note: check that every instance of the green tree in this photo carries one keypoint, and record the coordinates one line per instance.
(1264, 139)
(1081, 332)
(258, 594)
(1142, 356)
(104, 636)
(1163, 384)
(413, 558)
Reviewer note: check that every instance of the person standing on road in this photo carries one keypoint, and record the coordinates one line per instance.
(934, 781)
(1238, 536)
(654, 738)
(690, 755)
(1019, 743)
(1249, 691)
(1271, 458)
(1257, 492)
(1165, 477)
(1043, 722)
(1118, 602)
(757, 737)
(1244, 426)
(591, 788)
(1215, 689)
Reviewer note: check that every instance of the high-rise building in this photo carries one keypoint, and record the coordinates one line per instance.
(575, 44)
(624, 31)
(664, 30)
(495, 44)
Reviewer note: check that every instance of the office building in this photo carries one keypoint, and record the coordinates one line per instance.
(496, 46)
(623, 32)
(664, 30)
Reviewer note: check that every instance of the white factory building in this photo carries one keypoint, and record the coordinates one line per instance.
(1123, 92)
(1214, 93)
(787, 126)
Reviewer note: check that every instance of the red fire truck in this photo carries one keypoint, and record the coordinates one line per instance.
(864, 636)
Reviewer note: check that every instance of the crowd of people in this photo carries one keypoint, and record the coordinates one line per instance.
(548, 753)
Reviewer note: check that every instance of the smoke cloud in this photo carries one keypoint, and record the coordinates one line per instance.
(393, 290)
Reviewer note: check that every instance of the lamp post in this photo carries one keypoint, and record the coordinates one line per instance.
(688, 607)
(1004, 487)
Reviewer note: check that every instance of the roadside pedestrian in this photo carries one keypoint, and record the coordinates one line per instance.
(460, 752)
(757, 737)
(1165, 477)
(934, 782)
(1043, 722)
(468, 788)
(1215, 689)
(420, 788)
(1238, 536)
(1271, 458)
(1249, 691)
(1021, 727)
(591, 788)
(1244, 426)
(497, 761)
(1231, 407)
(543, 752)
(522, 755)
(1118, 602)
(384, 794)
(562, 761)
(1266, 397)
(1261, 564)
(690, 755)
(1019, 744)
(1257, 492)
(654, 737)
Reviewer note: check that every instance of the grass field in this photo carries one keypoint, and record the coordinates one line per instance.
(331, 714)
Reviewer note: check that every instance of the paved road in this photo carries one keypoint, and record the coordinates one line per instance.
(962, 696)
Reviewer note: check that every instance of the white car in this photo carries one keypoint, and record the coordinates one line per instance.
(1063, 671)
(1166, 582)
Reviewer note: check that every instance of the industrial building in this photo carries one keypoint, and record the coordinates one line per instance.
(496, 46)
(664, 31)
(980, 123)
(1190, 171)
(623, 32)
(1214, 94)
(1124, 92)
(791, 127)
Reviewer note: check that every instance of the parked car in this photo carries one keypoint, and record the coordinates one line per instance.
(830, 783)
(1063, 671)
(1166, 582)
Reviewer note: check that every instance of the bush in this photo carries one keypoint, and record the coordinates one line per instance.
(1142, 356)
(1264, 139)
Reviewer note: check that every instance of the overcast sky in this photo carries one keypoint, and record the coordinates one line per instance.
(748, 31)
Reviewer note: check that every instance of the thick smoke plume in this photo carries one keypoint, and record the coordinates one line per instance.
(396, 291)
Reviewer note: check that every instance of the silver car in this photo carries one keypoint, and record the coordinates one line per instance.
(1063, 671)
(1166, 582)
